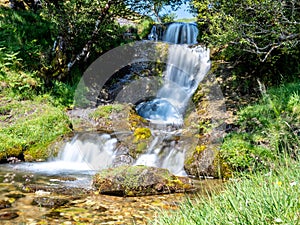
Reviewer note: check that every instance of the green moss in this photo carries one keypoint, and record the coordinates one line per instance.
(140, 148)
(29, 128)
(105, 111)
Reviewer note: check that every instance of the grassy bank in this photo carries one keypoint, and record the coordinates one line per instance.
(263, 198)
(263, 151)
(28, 128)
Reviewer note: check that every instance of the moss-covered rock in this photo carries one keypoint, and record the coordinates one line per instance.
(110, 118)
(140, 181)
(28, 128)
(207, 121)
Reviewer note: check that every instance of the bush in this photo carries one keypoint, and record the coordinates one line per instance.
(267, 130)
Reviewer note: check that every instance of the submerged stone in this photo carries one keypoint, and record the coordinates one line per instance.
(8, 214)
(49, 202)
(140, 181)
(15, 195)
(4, 204)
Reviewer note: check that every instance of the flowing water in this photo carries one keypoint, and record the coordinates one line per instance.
(181, 33)
(186, 68)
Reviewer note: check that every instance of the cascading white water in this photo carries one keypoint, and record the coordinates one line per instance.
(153, 36)
(181, 33)
(164, 153)
(186, 68)
(85, 153)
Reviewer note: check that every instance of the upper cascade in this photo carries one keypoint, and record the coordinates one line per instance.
(186, 68)
(175, 33)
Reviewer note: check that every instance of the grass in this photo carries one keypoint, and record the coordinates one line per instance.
(264, 155)
(263, 198)
(266, 131)
(28, 127)
(105, 111)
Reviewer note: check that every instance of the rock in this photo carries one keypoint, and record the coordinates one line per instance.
(140, 181)
(209, 116)
(40, 188)
(49, 202)
(122, 157)
(202, 163)
(15, 195)
(8, 214)
(4, 204)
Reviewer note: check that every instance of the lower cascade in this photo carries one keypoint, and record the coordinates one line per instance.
(88, 153)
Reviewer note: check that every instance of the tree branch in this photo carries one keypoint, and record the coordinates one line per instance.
(86, 49)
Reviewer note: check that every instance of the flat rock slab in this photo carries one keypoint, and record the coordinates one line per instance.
(140, 181)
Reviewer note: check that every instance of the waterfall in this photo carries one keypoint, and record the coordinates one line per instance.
(153, 36)
(181, 33)
(186, 68)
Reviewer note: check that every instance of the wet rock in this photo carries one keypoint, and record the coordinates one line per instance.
(140, 181)
(4, 204)
(54, 215)
(202, 163)
(8, 214)
(122, 157)
(49, 202)
(15, 195)
(33, 188)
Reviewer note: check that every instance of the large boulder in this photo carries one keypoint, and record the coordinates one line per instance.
(140, 181)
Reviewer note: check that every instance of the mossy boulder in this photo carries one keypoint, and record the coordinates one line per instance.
(202, 162)
(140, 181)
(109, 118)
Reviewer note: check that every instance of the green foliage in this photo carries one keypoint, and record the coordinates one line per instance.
(154, 8)
(167, 18)
(9, 59)
(25, 37)
(85, 29)
(267, 131)
(186, 20)
(18, 84)
(241, 152)
(261, 35)
(271, 198)
(28, 127)
(144, 27)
